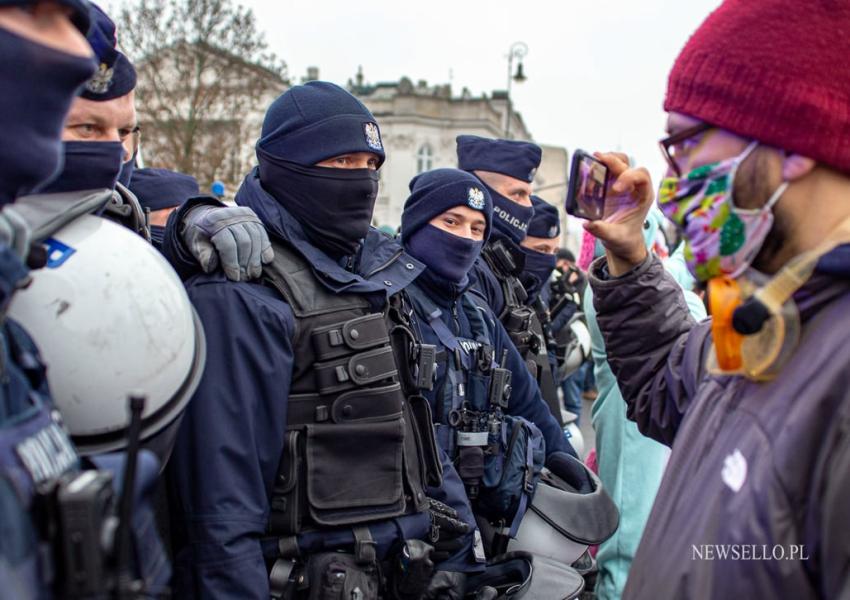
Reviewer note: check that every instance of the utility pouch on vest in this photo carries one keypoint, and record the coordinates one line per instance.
(353, 447)
(511, 475)
(338, 576)
(423, 421)
(346, 466)
(500, 387)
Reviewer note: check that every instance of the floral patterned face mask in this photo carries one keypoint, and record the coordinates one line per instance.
(720, 238)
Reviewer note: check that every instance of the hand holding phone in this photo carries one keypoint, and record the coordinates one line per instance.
(628, 201)
(588, 187)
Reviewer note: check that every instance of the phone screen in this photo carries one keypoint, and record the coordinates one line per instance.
(588, 185)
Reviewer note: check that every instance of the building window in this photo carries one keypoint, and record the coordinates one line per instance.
(424, 159)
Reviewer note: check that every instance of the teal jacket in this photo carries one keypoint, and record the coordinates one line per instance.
(630, 465)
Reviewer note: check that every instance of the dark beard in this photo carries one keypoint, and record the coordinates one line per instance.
(773, 244)
(752, 190)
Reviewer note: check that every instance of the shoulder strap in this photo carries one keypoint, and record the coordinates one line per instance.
(475, 310)
(293, 276)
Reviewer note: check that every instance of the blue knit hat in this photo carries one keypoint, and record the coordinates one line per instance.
(79, 17)
(115, 76)
(434, 192)
(158, 189)
(545, 223)
(319, 120)
(508, 157)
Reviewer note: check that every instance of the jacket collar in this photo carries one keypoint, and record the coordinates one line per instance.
(381, 265)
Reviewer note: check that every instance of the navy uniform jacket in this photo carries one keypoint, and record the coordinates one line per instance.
(525, 400)
(484, 281)
(231, 439)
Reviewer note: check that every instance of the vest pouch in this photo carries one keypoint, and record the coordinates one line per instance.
(514, 472)
(338, 576)
(423, 425)
(288, 497)
(355, 471)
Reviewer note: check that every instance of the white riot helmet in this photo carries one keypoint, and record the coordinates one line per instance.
(572, 431)
(110, 318)
(577, 346)
(561, 522)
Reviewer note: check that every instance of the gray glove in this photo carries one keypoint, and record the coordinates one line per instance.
(231, 236)
(446, 585)
(15, 231)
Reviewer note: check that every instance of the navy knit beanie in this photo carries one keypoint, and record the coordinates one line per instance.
(508, 157)
(545, 223)
(434, 192)
(319, 120)
(158, 189)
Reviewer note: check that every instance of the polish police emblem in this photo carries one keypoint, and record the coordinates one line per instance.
(101, 81)
(476, 198)
(532, 173)
(373, 136)
(553, 231)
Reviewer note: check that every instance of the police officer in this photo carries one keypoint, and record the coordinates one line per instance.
(45, 60)
(446, 221)
(540, 245)
(299, 441)
(100, 141)
(161, 192)
(506, 169)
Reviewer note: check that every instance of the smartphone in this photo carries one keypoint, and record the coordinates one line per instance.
(588, 187)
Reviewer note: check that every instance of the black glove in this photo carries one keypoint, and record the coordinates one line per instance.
(571, 470)
(447, 531)
(446, 585)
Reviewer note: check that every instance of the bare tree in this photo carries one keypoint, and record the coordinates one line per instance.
(205, 77)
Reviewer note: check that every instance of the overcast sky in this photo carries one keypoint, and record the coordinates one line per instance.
(596, 69)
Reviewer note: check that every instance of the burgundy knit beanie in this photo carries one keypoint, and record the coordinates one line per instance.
(777, 71)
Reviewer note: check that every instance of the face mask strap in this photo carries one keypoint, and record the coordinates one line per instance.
(767, 302)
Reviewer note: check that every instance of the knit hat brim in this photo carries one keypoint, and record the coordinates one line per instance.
(771, 71)
(435, 192)
(334, 136)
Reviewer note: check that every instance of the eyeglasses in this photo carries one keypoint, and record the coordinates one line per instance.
(131, 139)
(677, 146)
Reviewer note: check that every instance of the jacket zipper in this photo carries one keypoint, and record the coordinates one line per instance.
(380, 268)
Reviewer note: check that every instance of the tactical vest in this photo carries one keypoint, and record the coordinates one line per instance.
(498, 456)
(35, 452)
(522, 321)
(354, 450)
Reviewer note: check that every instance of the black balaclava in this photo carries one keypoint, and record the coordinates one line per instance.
(88, 166)
(306, 125)
(333, 206)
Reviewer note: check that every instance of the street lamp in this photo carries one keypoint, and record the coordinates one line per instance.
(518, 51)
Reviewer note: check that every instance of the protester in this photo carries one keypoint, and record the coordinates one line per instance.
(630, 465)
(753, 500)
